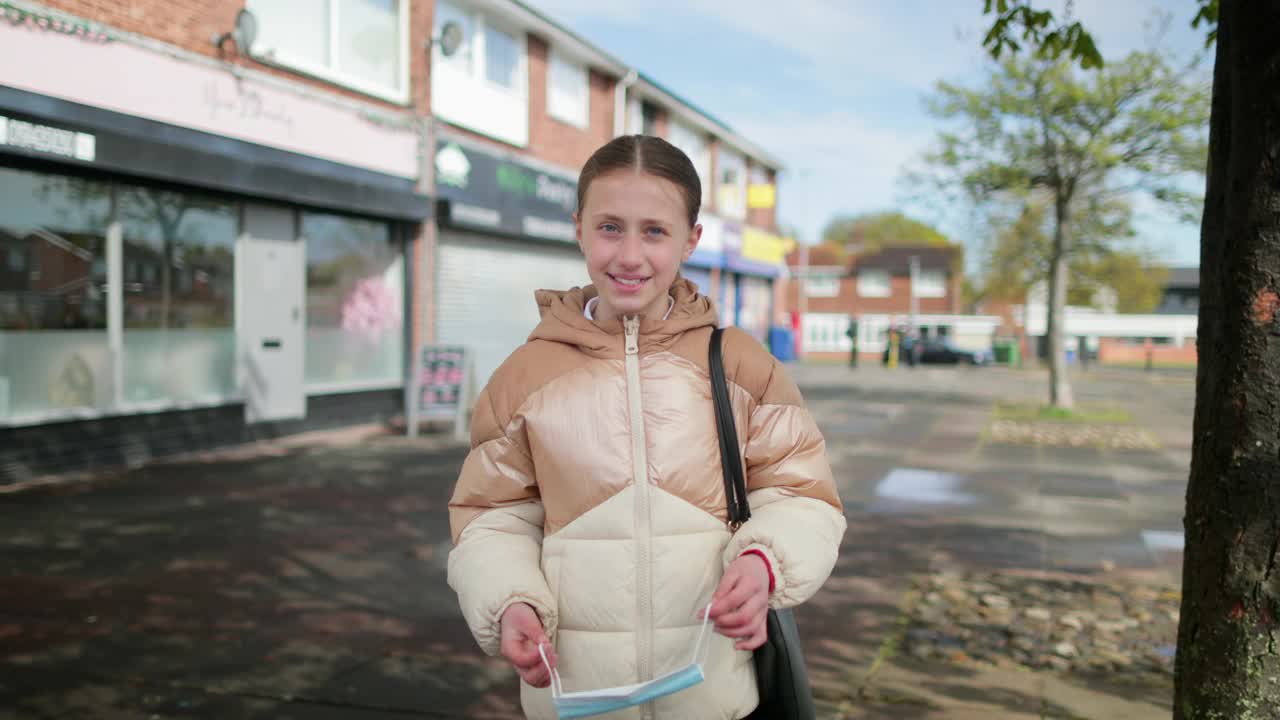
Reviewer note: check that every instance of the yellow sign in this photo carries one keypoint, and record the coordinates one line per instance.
(763, 247)
(762, 196)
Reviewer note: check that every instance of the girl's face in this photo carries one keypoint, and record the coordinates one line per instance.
(634, 231)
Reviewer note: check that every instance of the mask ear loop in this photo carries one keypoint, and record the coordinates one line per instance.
(702, 648)
(556, 689)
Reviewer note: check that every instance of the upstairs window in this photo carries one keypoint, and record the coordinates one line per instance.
(568, 91)
(931, 284)
(360, 44)
(484, 85)
(873, 283)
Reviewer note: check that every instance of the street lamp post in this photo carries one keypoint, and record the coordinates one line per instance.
(802, 290)
(915, 302)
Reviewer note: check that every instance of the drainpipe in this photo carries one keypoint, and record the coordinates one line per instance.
(620, 103)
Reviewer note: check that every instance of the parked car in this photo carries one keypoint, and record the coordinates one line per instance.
(944, 352)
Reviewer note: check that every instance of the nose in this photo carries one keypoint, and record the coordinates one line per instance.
(631, 255)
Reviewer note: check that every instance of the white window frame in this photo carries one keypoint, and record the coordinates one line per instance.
(829, 285)
(931, 290)
(474, 46)
(480, 56)
(461, 92)
(400, 95)
(582, 120)
(874, 292)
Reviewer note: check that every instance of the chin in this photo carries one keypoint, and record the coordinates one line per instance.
(630, 305)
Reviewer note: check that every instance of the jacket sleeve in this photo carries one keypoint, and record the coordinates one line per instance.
(496, 518)
(797, 520)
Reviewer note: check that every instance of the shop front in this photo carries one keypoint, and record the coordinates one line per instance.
(755, 259)
(505, 231)
(704, 265)
(184, 262)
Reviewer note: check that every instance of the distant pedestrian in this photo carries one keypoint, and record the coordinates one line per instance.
(852, 334)
(590, 519)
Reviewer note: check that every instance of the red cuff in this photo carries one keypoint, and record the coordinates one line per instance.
(760, 554)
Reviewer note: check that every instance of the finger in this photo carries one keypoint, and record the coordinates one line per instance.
(740, 630)
(538, 677)
(511, 649)
(746, 616)
(719, 601)
(736, 600)
(526, 656)
(752, 643)
(756, 638)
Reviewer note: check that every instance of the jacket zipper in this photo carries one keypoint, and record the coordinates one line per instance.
(643, 527)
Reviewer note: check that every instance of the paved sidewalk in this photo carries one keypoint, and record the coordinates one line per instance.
(306, 579)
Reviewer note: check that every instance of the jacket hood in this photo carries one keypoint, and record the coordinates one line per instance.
(563, 320)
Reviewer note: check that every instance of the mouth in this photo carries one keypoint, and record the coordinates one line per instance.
(628, 282)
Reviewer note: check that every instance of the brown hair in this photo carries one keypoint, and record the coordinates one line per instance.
(649, 154)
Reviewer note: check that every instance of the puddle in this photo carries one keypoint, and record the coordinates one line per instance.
(1163, 540)
(923, 486)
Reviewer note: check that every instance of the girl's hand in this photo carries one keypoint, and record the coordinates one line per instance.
(522, 633)
(740, 606)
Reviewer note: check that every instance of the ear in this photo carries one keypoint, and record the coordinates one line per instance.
(692, 244)
(577, 232)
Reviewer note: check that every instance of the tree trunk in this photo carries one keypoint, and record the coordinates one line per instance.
(1059, 383)
(1228, 662)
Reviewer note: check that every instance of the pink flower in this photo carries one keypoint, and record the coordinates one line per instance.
(371, 309)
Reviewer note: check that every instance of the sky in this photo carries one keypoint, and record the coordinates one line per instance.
(835, 89)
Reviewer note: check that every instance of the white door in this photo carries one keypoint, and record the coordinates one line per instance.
(484, 292)
(271, 294)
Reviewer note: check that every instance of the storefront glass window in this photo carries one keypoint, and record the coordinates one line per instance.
(53, 341)
(355, 301)
(179, 324)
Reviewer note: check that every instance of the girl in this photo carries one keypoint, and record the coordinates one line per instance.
(590, 517)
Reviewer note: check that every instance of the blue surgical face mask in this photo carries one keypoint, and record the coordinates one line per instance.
(596, 702)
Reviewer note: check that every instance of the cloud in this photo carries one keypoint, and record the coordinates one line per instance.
(837, 162)
(836, 40)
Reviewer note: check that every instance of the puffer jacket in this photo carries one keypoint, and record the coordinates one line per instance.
(593, 492)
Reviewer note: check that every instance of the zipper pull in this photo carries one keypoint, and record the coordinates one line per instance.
(631, 328)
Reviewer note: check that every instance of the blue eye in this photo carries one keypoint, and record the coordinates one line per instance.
(655, 230)
(609, 228)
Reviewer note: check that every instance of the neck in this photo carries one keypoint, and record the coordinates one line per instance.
(655, 311)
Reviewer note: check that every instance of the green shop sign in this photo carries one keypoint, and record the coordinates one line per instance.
(482, 190)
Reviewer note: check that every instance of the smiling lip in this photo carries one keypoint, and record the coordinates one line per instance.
(628, 287)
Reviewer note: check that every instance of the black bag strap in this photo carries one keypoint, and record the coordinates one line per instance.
(735, 483)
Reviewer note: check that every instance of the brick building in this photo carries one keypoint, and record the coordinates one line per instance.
(208, 236)
(876, 288)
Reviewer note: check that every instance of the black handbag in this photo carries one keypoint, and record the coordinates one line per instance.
(781, 676)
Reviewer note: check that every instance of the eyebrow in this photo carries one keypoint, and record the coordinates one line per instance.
(610, 217)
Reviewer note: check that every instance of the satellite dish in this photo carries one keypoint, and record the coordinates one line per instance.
(246, 31)
(450, 38)
(244, 34)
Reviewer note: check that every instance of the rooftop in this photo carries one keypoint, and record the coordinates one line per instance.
(898, 259)
(1184, 277)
